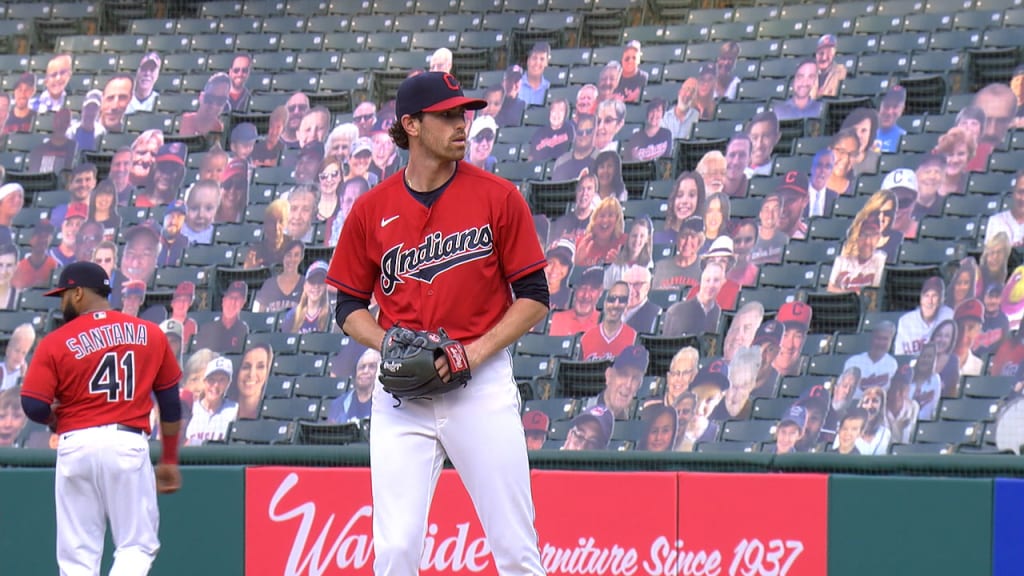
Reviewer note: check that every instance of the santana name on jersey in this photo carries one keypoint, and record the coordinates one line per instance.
(107, 336)
(433, 256)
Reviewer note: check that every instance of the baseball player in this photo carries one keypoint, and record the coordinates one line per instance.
(443, 244)
(91, 381)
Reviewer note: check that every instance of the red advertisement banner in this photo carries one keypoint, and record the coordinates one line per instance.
(317, 522)
(752, 525)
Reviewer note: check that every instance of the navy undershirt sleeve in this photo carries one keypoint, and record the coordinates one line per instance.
(533, 286)
(169, 402)
(346, 305)
(35, 409)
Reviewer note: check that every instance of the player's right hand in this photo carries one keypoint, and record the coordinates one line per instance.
(168, 478)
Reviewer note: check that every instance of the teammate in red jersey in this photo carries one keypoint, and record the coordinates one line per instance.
(91, 381)
(443, 244)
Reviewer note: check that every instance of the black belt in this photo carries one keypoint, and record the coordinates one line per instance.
(133, 430)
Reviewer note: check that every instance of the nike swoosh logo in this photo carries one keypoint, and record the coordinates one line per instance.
(385, 221)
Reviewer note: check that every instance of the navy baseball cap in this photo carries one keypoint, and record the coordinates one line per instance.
(633, 356)
(715, 374)
(770, 332)
(432, 92)
(82, 275)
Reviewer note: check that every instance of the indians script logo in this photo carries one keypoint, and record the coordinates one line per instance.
(435, 255)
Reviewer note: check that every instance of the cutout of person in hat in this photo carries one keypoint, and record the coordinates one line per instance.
(533, 86)
(764, 133)
(1010, 221)
(605, 235)
(172, 330)
(612, 335)
(86, 130)
(702, 313)
(557, 271)
(969, 316)
(166, 176)
(708, 388)
(681, 372)
(1009, 358)
(132, 295)
(313, 312)
(684, 114)
(36, 269)
(181, 302)
(64, 253)
(359, 161)
(212, 412)
(239, 95)
(611, 117)
(536, 425)
(946, 365)
(314, 126)
(356, 403)
(721, 251)
(12, 369)
(830, 73)
(851, 428)
(579, 161)
(282, 290)
(512, 108)
(9, 294)
(88, 238)
(802, 102)
(57, 152)
(386, 160)
(844, 146)
(685, 202)
(555, 138)
(21, 116)
(267, 151)
(915, 327)
(117, 93)
(861, 263)
(864, 123)
(901, 409)
(103, 209)
(213, 101)
(995, 326)
(790, 430)
(958, 148)
(226, 334)
(145, 149)
(704, 95)
(712, 168)
(632, 80)
(253, 370)
(771, 240)
(726, 81)
(876, 437)
(243, 142)
(173, 242)
(201, 202)
(743, 369)
(590, 430)
(234, 196)
(660, 425)
(875, 366)
(482, 133)
(890, 109)
(929, 174)
(796, 318)
(583, 315)
(622, 382)
(684, 268)
(144, 93)
(882, 207)
(80, 186)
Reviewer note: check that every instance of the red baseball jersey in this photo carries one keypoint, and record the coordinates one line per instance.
(448, 266)
(102, 368)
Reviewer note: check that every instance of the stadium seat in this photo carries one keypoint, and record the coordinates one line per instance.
(969, 409)
(299, 365)
(770, 408)
(797, 386)
(748, 431)
(323, 387)
(547, 346)
(948, 432)
(663, 348)
(556, 409)
(834, 312)
(323, 433)
(280, 342)
(290, 409)
(261, 432)
(580, 378)
(989, 387)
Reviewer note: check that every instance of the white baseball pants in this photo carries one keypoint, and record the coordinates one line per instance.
(105, 473)
(480, 430)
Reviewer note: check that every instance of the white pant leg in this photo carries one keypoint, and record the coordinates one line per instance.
(81, 521)
(130, 486)
(483, 436)
(405, 464)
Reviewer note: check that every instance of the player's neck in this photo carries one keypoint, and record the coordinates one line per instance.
(428, 175)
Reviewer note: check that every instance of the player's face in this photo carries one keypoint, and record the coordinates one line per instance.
(737, 158)
(81, 185)
(58, 73)
(804, 80)
(685, 204)
(300, 214)
(615, 303)
(216, 384)
(443, 134)
(659, 437)
(822, 170)
(848, 433)
(789, 351)
(929, 304)
(139, 259)
(201, 206)
(116, 96)
(12, 420)
(105, 258)
(622, 384)
(252, 375)
(585, 298)
(762, 138)
(239, 73)
(680, 375)
(786, 438)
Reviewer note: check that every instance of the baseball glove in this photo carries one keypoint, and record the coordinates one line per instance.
(407, 367)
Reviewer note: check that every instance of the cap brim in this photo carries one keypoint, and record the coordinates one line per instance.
(55, 292)
(455, 102)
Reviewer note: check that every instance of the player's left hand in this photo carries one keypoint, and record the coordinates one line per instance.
(168, 478)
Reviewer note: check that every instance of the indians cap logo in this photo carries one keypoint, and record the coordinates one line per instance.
(452, 82)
